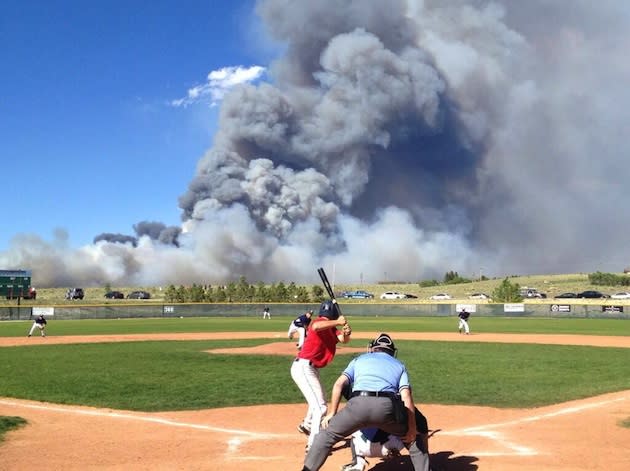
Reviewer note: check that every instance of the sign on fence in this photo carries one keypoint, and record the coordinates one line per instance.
(468, 307)
(612, 308)
(560, 308)
(43, 311)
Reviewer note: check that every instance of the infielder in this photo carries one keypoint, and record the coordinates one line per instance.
(39, 323)
(299, 326)
(463, 321)
(318, 351)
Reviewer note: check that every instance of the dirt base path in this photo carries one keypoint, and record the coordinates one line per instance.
(575, 436)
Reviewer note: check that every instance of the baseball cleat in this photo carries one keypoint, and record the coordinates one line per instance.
(359, 466)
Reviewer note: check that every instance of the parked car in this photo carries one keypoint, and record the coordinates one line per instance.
(392, 295)
(411, 296)
(566, 295)
(139, 295)
(532, 293)
(114, 295)
(591, 294)
(440, 297)
(75, 293)
(621, 295)
(358, 294)
(478, 296)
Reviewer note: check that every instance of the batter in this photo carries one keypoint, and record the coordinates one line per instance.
(318, 351)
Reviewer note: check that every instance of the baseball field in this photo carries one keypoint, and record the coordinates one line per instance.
(216, 393)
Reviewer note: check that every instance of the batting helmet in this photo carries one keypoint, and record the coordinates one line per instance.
(383, 343)
(329, 309)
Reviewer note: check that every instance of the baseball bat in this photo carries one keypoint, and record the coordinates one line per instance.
(329, 290)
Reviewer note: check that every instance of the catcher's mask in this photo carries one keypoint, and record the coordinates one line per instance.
(383, 343)
(329, 309)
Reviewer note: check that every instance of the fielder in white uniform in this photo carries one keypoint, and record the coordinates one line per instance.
(299, 326)
(39, 323)
(463, 321)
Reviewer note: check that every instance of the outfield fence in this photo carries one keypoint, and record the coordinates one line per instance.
(375, 309)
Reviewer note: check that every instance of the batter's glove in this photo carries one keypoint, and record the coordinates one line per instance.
(347, 330)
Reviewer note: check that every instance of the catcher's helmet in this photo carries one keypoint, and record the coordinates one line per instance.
(383, 343)
(329, 309)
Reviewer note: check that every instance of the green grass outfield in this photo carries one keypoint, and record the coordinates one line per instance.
(280, 324)
(179, 375)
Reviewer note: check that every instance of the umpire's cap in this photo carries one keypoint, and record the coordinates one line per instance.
(383, 342)
(329, 309)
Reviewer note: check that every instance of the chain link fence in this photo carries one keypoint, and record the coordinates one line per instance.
(125, 311)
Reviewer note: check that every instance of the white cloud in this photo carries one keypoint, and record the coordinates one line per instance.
(219, 82)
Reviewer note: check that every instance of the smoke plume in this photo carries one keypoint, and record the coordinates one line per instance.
(399, 139)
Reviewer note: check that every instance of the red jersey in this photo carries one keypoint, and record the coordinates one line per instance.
(320, 345)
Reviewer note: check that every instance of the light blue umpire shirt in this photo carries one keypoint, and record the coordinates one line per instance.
(377, 372)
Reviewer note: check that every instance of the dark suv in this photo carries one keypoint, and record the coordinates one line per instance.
(75, 293)
(139, 295)
(114, 295)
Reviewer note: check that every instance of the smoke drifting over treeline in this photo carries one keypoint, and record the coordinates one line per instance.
(399, 139)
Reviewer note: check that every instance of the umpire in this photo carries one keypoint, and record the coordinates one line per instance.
(381, 397)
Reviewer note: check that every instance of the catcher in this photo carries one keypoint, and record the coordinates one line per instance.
(376, 443)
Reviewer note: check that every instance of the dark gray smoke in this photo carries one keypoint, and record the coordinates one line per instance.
(156, 231)
(116, 238)
(404, 139)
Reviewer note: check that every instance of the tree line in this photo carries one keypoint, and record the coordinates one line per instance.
(609, 279)
(244, 292)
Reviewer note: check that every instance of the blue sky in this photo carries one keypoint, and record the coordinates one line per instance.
(91, 140)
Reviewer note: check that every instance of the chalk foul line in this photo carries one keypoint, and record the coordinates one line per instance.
(245, 434)
(489, 431)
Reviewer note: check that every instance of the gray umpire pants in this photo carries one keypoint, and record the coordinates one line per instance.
(362, 412)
